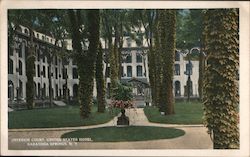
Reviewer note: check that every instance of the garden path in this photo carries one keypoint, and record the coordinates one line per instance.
(195, 136)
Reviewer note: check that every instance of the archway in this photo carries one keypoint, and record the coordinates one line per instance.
(177, 88)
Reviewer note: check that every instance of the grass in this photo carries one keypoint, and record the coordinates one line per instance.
(129, 133)
(185, 113)
(56, 117)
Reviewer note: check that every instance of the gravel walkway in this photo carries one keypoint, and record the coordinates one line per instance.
(49, 138)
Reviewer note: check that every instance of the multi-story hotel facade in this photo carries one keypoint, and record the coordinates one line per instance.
(64, 77)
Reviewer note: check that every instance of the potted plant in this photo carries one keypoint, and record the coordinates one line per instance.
(122, 98)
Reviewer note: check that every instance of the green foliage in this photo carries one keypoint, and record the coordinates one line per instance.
(122, 92)
(122, 134)
(189, 28)
(185, 113)
(221, 97)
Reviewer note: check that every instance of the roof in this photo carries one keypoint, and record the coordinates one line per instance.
(137, 80)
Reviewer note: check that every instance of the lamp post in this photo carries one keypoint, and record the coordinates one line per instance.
(144, 62)
(188, 70)
(189, 79)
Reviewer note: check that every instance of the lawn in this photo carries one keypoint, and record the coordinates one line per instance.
(129, 133)
(56, 117)
(185, 113)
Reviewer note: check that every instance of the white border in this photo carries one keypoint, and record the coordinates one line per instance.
(244, 73)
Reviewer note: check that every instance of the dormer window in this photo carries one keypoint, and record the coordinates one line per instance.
(129, 41)
(138, 58)
(26, 31)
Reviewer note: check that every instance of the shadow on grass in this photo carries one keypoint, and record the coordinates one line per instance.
(185, 113)
(68, 116)
(122, 134)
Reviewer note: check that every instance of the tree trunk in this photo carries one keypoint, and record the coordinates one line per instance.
(221, 95)
(167, 26)
(86, 70)
(30, 70)
(100, 81)
(158, 63)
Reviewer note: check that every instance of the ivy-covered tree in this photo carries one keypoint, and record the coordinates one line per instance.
(88, 57)
(166, 28)
(157, 52)
(221, 95)
(100, 85)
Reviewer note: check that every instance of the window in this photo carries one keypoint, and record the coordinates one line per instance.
(39, 90)
(44, 71)
(177, 88)
(26, 51)
(107, 72)
(56, 73)
(44, 90)
(55, 60)
(64, 72)
(20, 68)
(177, 69)
(10, 50)
(43, 58)
(177, 56)
(189, 68)
(38, 54)
(129, 71)
(75, 73)
(138, 58)
(48, 70)
(38, 70)
(10, 66)
(20, 89)
(129, 59)
(56, 90)
(139, 70)
(20, 51)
